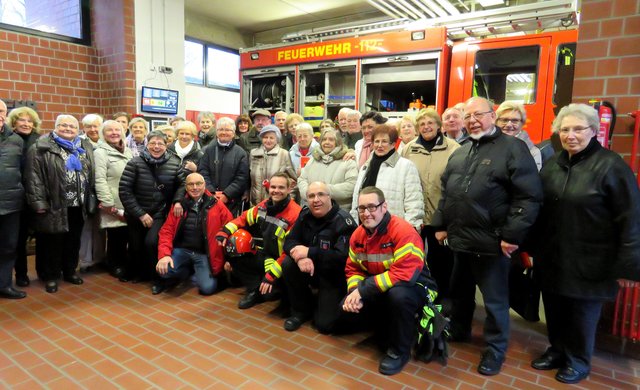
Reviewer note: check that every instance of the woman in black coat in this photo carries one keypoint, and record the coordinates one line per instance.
(25, 122)
(60, 189)
(150, 183)
(587, 235)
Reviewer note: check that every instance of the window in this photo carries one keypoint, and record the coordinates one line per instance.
(212, 66)
(66, 20)
(565, 68)
(507, 74)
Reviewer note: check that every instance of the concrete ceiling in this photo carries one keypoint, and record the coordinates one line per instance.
(255, 16)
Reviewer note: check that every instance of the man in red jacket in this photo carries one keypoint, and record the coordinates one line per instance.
(387, 277)
(189, 240)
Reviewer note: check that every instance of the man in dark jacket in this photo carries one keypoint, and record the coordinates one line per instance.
(317, 249)
(189, 240)
(225, 167)
(11, 202)
(251, 140)
(491, 197)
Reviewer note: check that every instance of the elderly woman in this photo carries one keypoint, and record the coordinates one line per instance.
(60, 188)
(25, 122)
(407, 131)
(326, 124)
(92, 240)
(150, 183)
(291, 125)
(266, 160)
(327, 165)
(510, 117)
(207, 121)
(587, 236)
(243, 124)
(187, 149)
(111, 157)
(396, 176)
(301, 151)
(137, 139)
(430, 153)
(169, 131)
(91, 124)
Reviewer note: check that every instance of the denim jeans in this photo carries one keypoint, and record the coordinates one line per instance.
(183, 259)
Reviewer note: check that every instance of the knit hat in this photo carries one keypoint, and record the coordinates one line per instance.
(270, 128)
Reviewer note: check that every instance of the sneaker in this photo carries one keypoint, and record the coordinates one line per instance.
(490, 364)
(392, 363)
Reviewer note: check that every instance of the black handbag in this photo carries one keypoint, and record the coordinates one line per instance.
(524, 292)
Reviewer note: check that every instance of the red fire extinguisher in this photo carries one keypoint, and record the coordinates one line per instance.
(607, 114)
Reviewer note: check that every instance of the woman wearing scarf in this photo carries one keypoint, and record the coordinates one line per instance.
(186, 148)
(150, 183)
(60, 188)
(364, 147)
(396, 176)
(430, 153)
(266, 160)
(327, 165)
(137, 141)
(304, 147)
(92, 239)
(111, 157)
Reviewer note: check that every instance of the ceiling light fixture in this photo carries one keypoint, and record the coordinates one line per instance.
(490, 3)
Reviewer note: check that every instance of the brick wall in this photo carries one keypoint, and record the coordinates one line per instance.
(608, 62)
(69, 78)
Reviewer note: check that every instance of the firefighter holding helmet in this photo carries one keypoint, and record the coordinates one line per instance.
(256, 261)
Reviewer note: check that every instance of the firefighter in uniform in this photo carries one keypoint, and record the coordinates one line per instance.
(387, 277)
(272, 219)
(317, 249)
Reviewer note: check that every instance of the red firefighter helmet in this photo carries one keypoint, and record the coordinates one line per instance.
(240, 243)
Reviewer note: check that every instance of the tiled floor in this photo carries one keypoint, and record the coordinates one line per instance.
(106, 334)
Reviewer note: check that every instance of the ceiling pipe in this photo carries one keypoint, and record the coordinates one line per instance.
(425, 9)
(435, 8)
(400, 4)
(448, 7)
(417, 12)
(384, 8)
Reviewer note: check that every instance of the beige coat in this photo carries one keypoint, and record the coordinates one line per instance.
(262, 165)
(109, 165)
(430, 167)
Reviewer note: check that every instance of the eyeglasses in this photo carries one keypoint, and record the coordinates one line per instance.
(196, 184)
(381, 142)
(370, 208)
(476, 115)
(156, 144)
(576, 130)
(318, 195)
(508, 120)
(67, 126)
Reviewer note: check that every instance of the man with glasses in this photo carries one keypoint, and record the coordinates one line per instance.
(317, 248)
(511, 117)
(188, 241)
(491, 196)
(387, 277)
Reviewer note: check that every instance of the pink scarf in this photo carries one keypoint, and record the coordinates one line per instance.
(365, 153)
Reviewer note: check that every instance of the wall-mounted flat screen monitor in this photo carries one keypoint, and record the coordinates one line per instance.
(159, 101)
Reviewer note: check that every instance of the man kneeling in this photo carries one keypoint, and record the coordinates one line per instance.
(189, 241)
(387, 277)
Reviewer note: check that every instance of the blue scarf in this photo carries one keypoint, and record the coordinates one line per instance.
(73, 148)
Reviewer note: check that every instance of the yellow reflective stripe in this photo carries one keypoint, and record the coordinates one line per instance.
(353, 281)
(250, 219)
(267, 264)
(231, 227)
(275, 269)
(387, 264)
(383, 281)
(407, 250)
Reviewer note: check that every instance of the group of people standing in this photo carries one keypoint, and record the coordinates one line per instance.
(441, 201)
